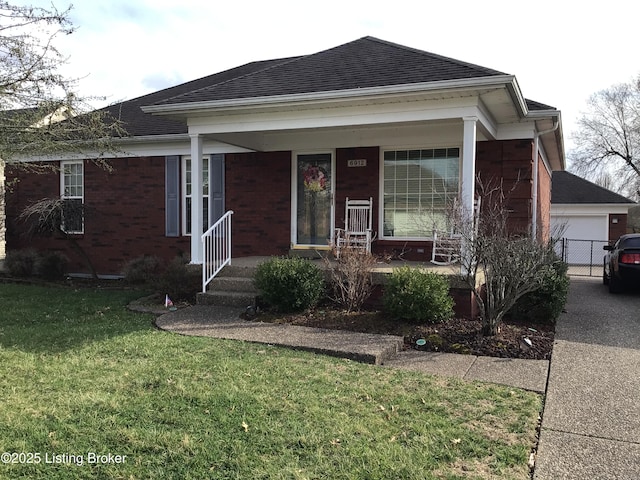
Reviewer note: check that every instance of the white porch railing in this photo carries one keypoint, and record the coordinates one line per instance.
(216, 251)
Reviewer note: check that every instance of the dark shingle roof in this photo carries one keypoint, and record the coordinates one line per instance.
(533, 105)
(138, 123)
(569, 188)
(366, 62)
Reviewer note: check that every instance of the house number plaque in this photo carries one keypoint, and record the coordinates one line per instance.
(357, 163)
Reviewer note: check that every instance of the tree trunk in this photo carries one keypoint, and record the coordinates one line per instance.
(490, 329)
(78, 248)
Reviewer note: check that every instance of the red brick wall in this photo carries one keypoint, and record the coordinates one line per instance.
(258, 190)
(511, 162)
(544, 201)
(619, 228)
(357, 182)
(125, 215)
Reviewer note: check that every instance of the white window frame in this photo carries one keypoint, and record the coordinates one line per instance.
(186, 195)
(381, 217)
(64, 193)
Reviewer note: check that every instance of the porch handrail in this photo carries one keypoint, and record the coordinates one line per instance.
(216, 249)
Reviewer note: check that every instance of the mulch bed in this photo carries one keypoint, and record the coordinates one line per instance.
(515, 339)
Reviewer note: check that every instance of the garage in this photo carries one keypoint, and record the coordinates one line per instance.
(582, 227)
(584, 236)
(586, 216)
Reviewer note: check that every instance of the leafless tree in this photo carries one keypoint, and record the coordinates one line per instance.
(47, 218)
(41, 112)
(608, 137)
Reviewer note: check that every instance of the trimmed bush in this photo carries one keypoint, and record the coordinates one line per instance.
(417, 296)
(22, 263)
(289, 284)
(142, 269)
(52, 266)
(181, 280)
(545, 304)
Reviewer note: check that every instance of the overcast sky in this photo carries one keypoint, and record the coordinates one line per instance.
(560, 51)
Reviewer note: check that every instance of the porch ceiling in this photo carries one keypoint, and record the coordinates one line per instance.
(402, 133)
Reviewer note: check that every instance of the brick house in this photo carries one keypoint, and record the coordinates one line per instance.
(408, 128)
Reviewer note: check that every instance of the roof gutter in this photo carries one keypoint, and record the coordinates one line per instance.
(498, 81)
(536, 167)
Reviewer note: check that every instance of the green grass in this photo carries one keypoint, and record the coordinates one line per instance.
(82, 374)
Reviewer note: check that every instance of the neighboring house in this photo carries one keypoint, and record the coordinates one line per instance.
(587, 215)
(283, 142)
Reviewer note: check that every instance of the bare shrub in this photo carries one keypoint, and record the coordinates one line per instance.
(352, 278)
(509, 261)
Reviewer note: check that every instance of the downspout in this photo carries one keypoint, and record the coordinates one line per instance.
(536, 163)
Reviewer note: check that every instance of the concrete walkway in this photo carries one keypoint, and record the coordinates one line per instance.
(224, 322)
(591, 423)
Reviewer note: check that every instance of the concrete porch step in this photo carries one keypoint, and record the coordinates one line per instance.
(232, 284)
(239, 271)
(226, 298)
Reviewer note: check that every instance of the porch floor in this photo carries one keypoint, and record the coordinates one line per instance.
(382, 268)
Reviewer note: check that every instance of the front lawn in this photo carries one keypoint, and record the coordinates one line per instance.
(81, 375)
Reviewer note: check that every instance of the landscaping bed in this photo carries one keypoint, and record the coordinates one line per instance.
(457, 335)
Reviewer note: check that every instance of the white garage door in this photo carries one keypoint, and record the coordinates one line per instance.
(583, 227)
(581, 231)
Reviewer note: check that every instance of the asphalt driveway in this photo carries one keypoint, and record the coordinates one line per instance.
(591, 423)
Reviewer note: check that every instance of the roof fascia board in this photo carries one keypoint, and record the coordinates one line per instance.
(149, 146)
(498, 81)
(515, 131)
(588, 209)
(516, 96)
(359, 115)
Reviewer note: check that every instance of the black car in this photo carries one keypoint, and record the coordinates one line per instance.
(622, 263)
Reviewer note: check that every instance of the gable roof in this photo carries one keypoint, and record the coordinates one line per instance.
(366, 62)
(568, 188)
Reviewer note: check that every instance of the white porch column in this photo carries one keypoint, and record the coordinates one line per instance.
(196, 199)
(468, 177)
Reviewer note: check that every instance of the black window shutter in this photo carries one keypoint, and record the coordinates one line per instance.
(216, 186)
(172, 196)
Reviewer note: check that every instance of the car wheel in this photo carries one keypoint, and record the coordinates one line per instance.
(615, 286)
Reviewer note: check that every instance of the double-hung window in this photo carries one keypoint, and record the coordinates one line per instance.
(72, 195)
(419, 187)
(187, 189)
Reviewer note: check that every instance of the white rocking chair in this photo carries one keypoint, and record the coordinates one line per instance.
(357, 232)
(447, 245)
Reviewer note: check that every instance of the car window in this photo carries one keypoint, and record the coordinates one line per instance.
(633, 242)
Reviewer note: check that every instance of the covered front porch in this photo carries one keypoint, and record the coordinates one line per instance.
(412, 164)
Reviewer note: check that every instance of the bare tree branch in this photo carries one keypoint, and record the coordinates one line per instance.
(40, 111)
(608, 138)
(508, 263)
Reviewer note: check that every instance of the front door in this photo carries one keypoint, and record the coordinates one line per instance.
(313, 193)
